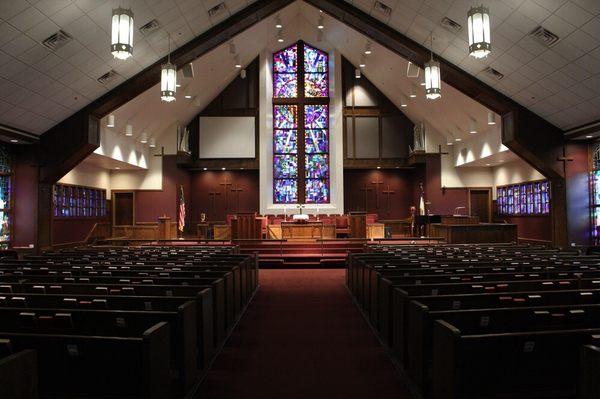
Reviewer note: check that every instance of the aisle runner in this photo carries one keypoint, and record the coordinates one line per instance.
(302, 337)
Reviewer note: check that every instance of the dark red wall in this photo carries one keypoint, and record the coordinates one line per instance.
(578, 196)
(532, 227)
(68, 230)
(400, 181)
(152, 204)
(24, 199)
(203, 183)
(443, 201)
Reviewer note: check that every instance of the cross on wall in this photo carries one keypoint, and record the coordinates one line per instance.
(366, 190)
(388, 194)
(213, 204)
(236, 191)
(377, 183)
(564, 159)
(226, 184)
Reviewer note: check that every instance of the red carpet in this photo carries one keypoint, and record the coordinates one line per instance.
(302, 337)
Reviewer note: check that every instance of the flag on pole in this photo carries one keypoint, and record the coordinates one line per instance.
(181, 215)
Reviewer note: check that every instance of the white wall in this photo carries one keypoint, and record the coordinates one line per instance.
(118, 147)
(514, 172)
(89, 175)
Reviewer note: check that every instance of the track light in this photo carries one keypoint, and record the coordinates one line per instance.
(357, 73)
(491, 118)
(403, 102)
(413, 91)
(110, 122)
(472, 127)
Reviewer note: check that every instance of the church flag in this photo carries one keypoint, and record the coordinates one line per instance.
(181, 215)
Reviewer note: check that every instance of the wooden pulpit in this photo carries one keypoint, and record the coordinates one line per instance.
(164, 228)
(358, 224)
(246, 226)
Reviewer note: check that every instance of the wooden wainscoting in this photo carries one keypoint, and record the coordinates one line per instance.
(142, 231)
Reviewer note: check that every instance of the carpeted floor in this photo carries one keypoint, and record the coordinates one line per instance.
(302, 337)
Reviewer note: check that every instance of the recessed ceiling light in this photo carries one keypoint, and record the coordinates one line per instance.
(14, 141)
(588, 137)
(204, 169)
(379, 167)
(458, 139)
(117, 167)
(487, 164)
(222, 168)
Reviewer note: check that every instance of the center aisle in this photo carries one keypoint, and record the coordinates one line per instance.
(303, 337)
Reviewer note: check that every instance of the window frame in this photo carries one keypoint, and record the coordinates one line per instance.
(301, 101)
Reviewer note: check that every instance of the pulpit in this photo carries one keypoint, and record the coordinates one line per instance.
(164, 228)
(358, 224)
(246, 226)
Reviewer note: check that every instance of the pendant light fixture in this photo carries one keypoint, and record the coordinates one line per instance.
(433, 81)
(110, 122)
(152, 142)
(168, 79)
(478, 20)
(413, 91)
(144, 138)
(357, 73)
(472, 126)
(121, 43)
(403, 101)
(128, 130)
(491, 118)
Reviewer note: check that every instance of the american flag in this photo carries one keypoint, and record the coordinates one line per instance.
(181, 216)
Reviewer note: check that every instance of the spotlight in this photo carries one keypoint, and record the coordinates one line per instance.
(357, 73)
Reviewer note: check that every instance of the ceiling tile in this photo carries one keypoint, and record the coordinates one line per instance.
(534, 11)
(26, 19)
(574, 14)
(9, 9)
(49, 7)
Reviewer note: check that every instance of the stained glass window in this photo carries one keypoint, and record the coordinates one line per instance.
(78, 201)
(300, 125)
(595, 194)
(531, 198)
(5, 197)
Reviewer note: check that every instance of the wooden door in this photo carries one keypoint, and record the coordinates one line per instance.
(480, 203)
(123, 208)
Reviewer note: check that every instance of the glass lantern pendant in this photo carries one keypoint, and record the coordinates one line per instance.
(121, 44)
(168, 82)
(433, 82)
(478, 20)
(168, 79)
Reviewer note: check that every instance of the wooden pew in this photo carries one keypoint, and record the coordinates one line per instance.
(100, 367)
(589, 380)
(19, 375)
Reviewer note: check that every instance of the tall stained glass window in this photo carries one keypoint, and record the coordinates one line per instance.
(5, 197)
(300, 125)
(595, 194)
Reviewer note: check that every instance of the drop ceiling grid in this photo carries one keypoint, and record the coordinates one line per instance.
(561, 84)
(44, 87)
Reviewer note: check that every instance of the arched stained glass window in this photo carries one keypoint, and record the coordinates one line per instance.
(300, 125)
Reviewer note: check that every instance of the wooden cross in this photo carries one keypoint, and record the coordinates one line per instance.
(377, 183)
(388, 193)
(226, 183)
(162, 152)
(366, 189)
(440, 151)
(564, 160)
(237, 190)
(213, 203)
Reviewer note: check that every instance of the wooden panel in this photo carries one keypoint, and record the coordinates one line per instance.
(475, 233)
(221, 232)
(480, 204)
(376, 230)
(292, 230)
(460, 219)
(246, 226)
(358, 225)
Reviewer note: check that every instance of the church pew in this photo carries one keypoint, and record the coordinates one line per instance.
(19, 375)
(124, 302)
(394, 298)
(231, 290)
(117, 323)
(528, 364)
(74, 366)
(488, 321)
(209, 330)
(589, 375)
(144, 287)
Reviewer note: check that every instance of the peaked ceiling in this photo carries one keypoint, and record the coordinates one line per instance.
(561, 83)
(40, 87)
(451, 115)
